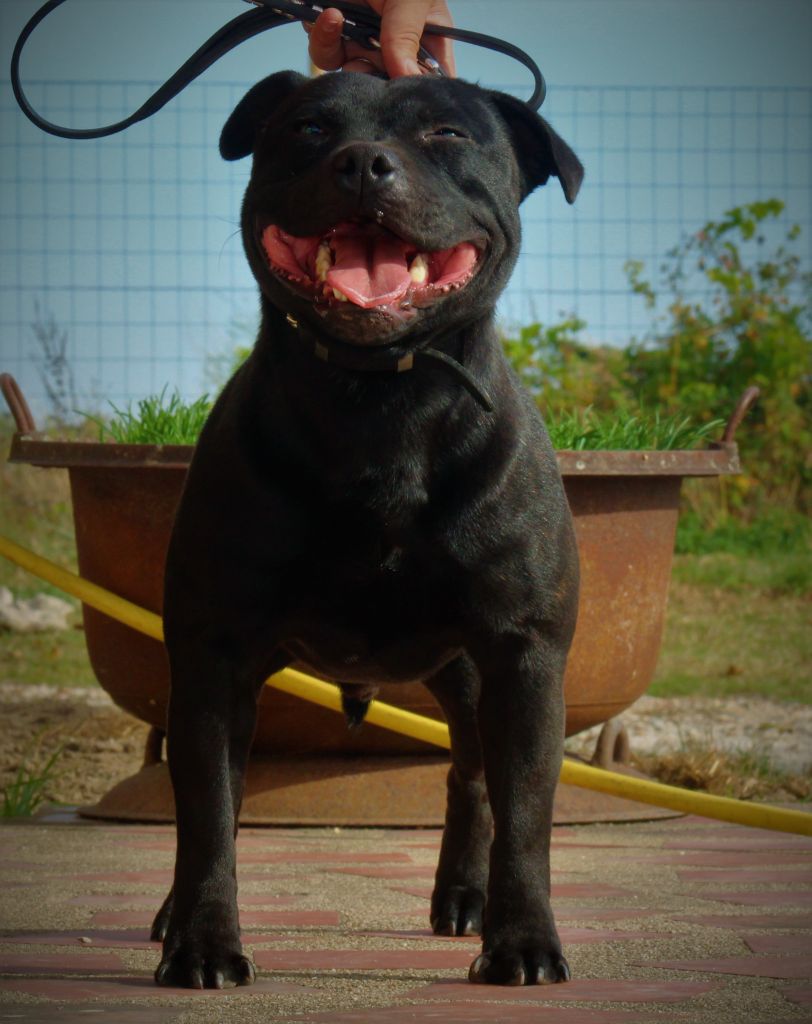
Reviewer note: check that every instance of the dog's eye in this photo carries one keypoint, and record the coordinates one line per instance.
(308, 128)
(445, 131)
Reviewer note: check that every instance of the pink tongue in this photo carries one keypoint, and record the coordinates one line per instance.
(369, 270)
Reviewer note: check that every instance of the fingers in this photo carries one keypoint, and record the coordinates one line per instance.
(326, 47)
(402, 23)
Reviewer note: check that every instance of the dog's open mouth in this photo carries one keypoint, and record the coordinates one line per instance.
(368, 266)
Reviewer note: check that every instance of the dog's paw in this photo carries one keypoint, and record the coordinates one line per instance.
(458, 911)
(194, 966)
(531, 966)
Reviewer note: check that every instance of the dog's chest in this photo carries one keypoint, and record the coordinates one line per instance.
(376, 615)
(381, 606)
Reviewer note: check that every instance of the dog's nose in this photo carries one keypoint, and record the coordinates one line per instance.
(362, 166)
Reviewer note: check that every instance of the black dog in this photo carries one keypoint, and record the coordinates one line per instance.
(374, 497)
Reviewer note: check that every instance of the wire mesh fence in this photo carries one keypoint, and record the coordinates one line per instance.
(121, 261)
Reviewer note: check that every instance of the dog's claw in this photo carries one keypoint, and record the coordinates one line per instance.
(161, 922)
(530, 968)
(198, 971)
(460, 913)
(564, 971)
(249, 972)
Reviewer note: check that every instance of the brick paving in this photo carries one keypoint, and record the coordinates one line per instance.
(683, 920)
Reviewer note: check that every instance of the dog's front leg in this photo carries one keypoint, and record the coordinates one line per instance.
(212, 716)
(521, 721)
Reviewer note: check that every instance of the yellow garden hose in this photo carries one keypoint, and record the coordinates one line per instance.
(427, 729)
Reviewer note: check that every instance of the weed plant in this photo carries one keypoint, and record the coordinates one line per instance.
(23, 796)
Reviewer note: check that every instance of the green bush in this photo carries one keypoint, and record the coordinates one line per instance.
(731, 309)
(738, 313)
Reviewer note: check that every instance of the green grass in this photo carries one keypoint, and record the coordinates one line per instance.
(157, 419)
(780, 573)
(588, 430)
(162, 419)
(736, 626)
(24, 794)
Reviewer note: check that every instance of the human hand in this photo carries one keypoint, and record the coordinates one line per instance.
(402, 23)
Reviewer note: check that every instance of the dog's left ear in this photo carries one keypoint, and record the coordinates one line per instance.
(240, 130)
(540, 153)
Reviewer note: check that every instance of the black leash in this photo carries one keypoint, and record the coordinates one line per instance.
(361, 25)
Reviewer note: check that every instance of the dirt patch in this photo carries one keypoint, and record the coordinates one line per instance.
(100, 744)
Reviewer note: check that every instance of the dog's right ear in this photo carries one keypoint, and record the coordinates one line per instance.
(240, 130)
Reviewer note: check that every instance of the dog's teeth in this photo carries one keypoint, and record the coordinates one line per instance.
(419, 270)
(324, 261)
(340, 295)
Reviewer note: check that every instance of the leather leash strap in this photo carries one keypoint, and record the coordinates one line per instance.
(361, 25)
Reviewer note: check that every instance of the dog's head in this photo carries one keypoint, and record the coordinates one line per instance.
(382, 208)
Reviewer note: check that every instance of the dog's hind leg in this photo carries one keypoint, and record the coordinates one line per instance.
(212, 715)
(458, 900)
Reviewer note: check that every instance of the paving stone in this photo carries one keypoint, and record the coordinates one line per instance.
(719, 859)
(569, 912)
(363, 959)
(58, 963)
(753, 876)
(568, 936)
(411, 871)
(745, 839)
(24, 1013)
(324, 857)
(144, 899)
(281, 937)
(797, 897)
(420, 935)
(587, 890)
(786, 967)
(150, 876)
(801, 995)
(582, 990)
(563, 891)
(473, 1013)
(135, 986)
(421, 891)
(622, 848)
(123, 938)
(791, 945)
(746, 921)
(248, 918)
